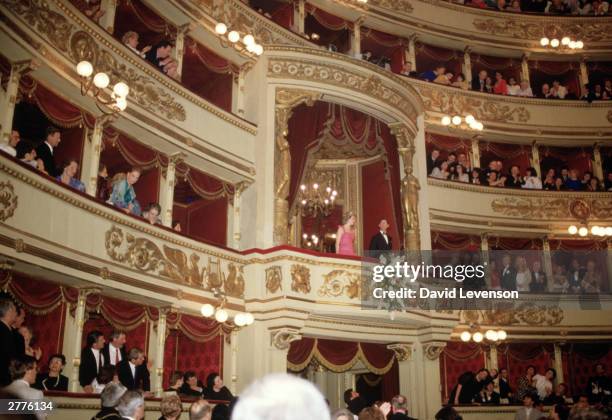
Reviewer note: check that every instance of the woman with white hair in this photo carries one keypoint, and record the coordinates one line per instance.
(281, 396)
(131, 405)
(109, 398)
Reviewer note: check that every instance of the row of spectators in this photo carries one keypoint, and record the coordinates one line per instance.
(551, 7)
(457, 168)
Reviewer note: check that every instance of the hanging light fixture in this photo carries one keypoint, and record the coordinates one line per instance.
(468, 122)
(221, 315)
(491, 335)
(584, 230)
(109, 103)
(565, 41)
(246, 43)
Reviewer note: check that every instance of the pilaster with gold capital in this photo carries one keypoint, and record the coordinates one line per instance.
(92, 148)
(299, 16)
(80, 317)
(475, 151)
(584, 73)
(7, 110)
(107, 20)
(558, 354)
(467, 64)
(166, 193)
(525, 68)
(411, 51)
(356, 37)
(179, 47)
(159, 345)
(237, 199)
(597, 165)
(535, 158)
(547, 261)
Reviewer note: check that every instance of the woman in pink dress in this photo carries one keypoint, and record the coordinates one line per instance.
(345, 237)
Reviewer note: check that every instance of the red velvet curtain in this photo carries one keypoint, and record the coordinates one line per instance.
(377, 200)
(509, 67)
(599, 72)
(567, 73)
(207, 74)
(384, 45)
(447, 145)
(578, 158)
(330, 29)
(509, 154)
(429, 57)
(204, 185)
(390, 383)
(279, 11)
(458, 357)
(517, 356)
(581, 361)
(134, 15)
(214, 213)
(448, 241)
(578, 245)
(328, 20)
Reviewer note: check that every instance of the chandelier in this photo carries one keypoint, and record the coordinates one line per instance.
(316, 201)
(241, 43)
(566, 41)
(584, 230)
(469, 122)
(492, 336)
(221, 315)
(116, 101)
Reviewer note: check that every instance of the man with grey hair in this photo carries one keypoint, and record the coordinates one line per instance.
(399, 408)
(8, 313)
(131, 406)
(279, 397)
(109, 398)
(200, 410)
(132, 373)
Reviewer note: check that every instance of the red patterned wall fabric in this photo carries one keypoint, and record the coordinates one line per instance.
(578, 158)
(448, 241)
(517, 356)
(214, 212)
(384, 45)
(509, 154)
(456, 359)
(599, 72)
(581, 362)
(567, 73)
(429, 57)
(509, 67)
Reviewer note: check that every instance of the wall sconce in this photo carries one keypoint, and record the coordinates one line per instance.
(116, 101)
(566, 41)
(246, 43)
(492, 336)
(241, 319)
(456, 122)
(584, 230)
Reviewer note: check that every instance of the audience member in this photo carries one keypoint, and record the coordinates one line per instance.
(8, 352)
(11, 147)
(131, 371)
(468, 387)
(201, 410)
(92, 360)
(528, 411)
(106, 375)
(599, 386)
(433, 160)
(176, 382)
(123, 194)
(531, 180)
(559, 283)
(374, 413)
(546, 93)
(544, 383)
(131, 39)
(18, 338)
(131, 405)
(460, 82)
(151, 213)
(525, 384)
(191, 387)
(500, 87)
(46, 151)
(220, 412)
(53, 380)
(505, 390)
(513, 87)
(447, 413)
(399, 408)
(432, 75)
(342, 414)
(574, 276)
(215, 390)
(523, 275)
(489, 85)
(354, 402)
(479, 83)
(176, 226)
(441, 172)
(444, 79)
(281, 396)
(514, 180)
(103, 186)
(488, 396)
(508, 274)
(407, 70)
(23, 376)
(67, 177)
(160, 57)
(558, 397)
(591, 280)
(525, 90)
(170, 407)
(26, 153)
(109, 398)
(114, 351)
(559, 412)
(538, 278)
(580, 407)
(460, 174)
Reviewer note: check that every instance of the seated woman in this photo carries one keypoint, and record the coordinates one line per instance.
(559, 283)
(152, 213)
(488, 396)
(69, 170)
(130, 39)
(191, 386)
(460, 174)
(441, 172)
(460, 82)
(176, 382)
(531, 180)
(444, 79)
(26, 153)
(500, 87)
(591, 280)
(215, 389)
(53, 380)
(123, 194)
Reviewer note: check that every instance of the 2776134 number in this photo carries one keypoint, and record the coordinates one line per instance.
(25, 406)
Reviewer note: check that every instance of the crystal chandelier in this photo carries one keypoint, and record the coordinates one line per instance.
(316, 201)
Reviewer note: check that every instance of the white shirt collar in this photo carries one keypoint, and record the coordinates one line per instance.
(49, 146)
(133, 369)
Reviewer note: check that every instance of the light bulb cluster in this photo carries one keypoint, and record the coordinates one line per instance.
(566, 41)
(456, 121)
(595, 230)
(492, 336)
(98, 83)
(241, 319)
(234, 37)
(310, 240)
(315, 200)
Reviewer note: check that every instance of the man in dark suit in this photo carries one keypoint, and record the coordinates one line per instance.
(17, 337)
(354, 402)
(114, 351)
(508, 274)
(8, 313)
(46, 150)
(133, 372)
(479, 83)
(433, 160)
(399, 408)
(380, 242)
(92, 360)
(575, 274)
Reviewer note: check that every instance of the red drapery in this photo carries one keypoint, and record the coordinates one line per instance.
(133, 15)
(330, 29)
(377, 201)
(429, 57)
(578, 158)
(448, 241)
(509, 154)
(447, 145)
(577, 245)
(206, 186)
(509, 67)
(517, 356)
(384, 45)
(456, 359)
(565, 72)
(214, 212)
(328, 20)
(599, 72)
(581, 360)
(339, 356)
(207, 74)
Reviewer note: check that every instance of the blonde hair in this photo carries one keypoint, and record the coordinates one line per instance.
(347, 216)
(171, 406)
(127, 36)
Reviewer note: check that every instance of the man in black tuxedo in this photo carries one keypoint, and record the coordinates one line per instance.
(114, 351)
(575, 274)
(381, 241)
(508, 274)
(8, 313)
(46, 150)
(17, 337)
(479, 83)
(92, 360)
(433, 160)
(133, 372)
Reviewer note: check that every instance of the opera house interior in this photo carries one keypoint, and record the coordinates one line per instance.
(306, 209)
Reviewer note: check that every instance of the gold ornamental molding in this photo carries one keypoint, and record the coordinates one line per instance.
(434, 349)
(282, 338)
(553, 208)
(609, 116)
(274, 279)
(533, 30)
(403, 6)
(341, 282)
(446, 102)
(300, 278)
(526, 313)
(8, 201)
(373, 85)
(403, 351)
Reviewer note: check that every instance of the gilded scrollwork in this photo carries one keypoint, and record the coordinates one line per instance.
(526, 313)
(403, 351)
(433, 350)
(446, 102)
(395, 5)
(341, 282)
(552, 208)
(282, 338)
(300, 278)
(8, 200)
(274, 279)
(234, 282)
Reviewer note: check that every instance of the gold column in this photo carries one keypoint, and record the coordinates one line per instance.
(525, 69)
(548, 270)
(409, 189)
(412, 51)
(475, 155)
(467, 64)
(179, 48)
(107, 20)
(535, 158)
(299, 16)
(160, 345)
(238, 89)
(18, 69)
(286, 101)
(234, 362)
(559, 363)
(584, 74)
(356, 38)
(91, 154)
(493, 357)
(167, 184)
(238, 190)
(80, 318)
(597, 166)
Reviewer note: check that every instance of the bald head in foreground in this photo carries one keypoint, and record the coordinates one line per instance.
(279, 397)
